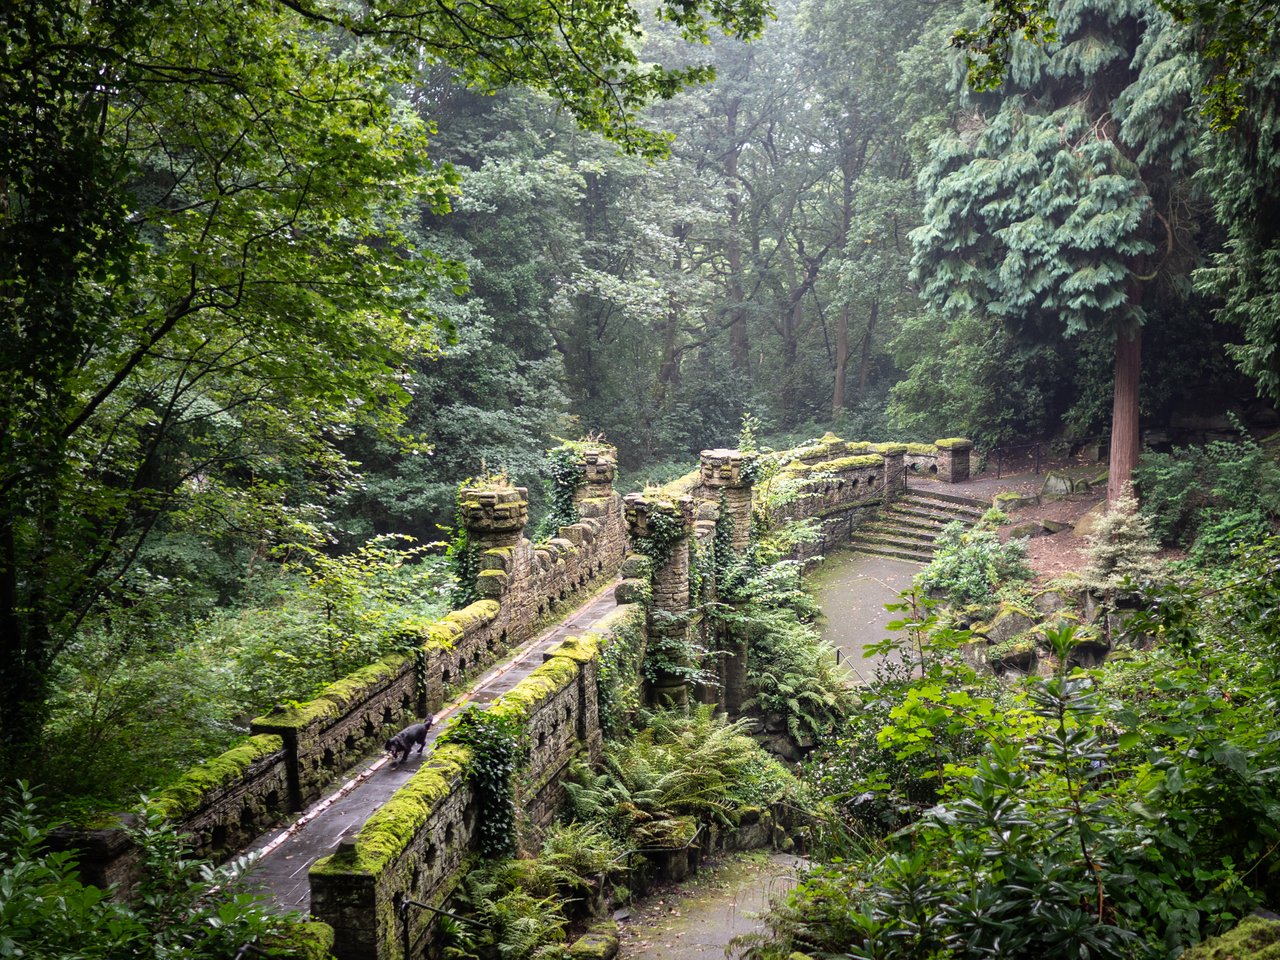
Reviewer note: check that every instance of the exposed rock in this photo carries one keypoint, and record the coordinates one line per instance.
(1008, 622)
(598, 943)
(1012, 500)
(1027, 530)
(1060, 483)
(1087, 526)
(1048, 602)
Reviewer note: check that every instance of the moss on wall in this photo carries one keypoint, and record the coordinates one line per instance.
(850, 463)
(307, 940)
(953, 443)
(392, 828)
(188, 794)
(333, 700)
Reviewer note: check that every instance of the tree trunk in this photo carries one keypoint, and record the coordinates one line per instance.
(1125, 445)
(739, 343)
(864, 361)
(842, 360)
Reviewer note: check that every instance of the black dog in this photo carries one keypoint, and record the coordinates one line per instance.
(400, 745)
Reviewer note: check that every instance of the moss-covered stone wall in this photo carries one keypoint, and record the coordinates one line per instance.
(416, 846)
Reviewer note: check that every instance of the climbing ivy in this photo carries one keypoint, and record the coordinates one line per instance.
(564, 476)
(618, 678)
(496, 755)
(463, 557)
(665, 531)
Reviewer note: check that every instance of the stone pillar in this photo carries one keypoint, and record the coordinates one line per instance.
(668, 614)
(495, 518)
(599, 466)
(724, 471)
(895, 473)
(953, 459)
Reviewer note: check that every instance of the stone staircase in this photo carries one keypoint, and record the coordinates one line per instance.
(906, 529)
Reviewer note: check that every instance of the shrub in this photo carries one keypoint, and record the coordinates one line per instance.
(968, 567)
(184, 908)
(1122, 550)
(1185, 493)
(1128, 811)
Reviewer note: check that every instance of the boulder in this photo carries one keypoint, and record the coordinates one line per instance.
(1008, 622)
(1027, 530)
(1087, 526)
(1012, 500)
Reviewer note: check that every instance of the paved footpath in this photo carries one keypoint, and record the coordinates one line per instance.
(285, 856)
(699, 919)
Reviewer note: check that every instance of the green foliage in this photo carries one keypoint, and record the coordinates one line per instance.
(516, 922)
(1234, 39)
(1128, 811)
(680, 769)
(994, 517)
(969, 567)
(1121, 550)
(564, 476)
(666, 528)
(497, 754)
(618, 677)
(183, 907)
(1224, 493)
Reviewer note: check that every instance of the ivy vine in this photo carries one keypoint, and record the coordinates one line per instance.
(665, 531)
(618, 678)
(496, 755)
(564, 476)
(463, 558)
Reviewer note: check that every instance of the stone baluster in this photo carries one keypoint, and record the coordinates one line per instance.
(895, 473)
(599, 465)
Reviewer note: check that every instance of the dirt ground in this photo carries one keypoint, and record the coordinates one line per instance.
(1052, 555)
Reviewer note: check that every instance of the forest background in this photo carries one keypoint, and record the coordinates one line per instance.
(299, 285)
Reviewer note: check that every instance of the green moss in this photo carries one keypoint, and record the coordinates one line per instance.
(581, 649)
(921, 450)
(678, 487)
(953, 443)
(537, 688)
(889, 449)
(385, 835)
(304, 940)
(597, 944)
(333, 700)
(188, 794)
(850, 463)
(1253, 939)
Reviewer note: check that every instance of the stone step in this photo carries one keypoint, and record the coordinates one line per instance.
(958, 499)
(883, 525)
(926, 516)
(876, 551)
(895, 540)
(940, 507)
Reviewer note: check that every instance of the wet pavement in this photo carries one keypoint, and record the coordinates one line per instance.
(287, 854)
(698, 919)
(852, 589)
